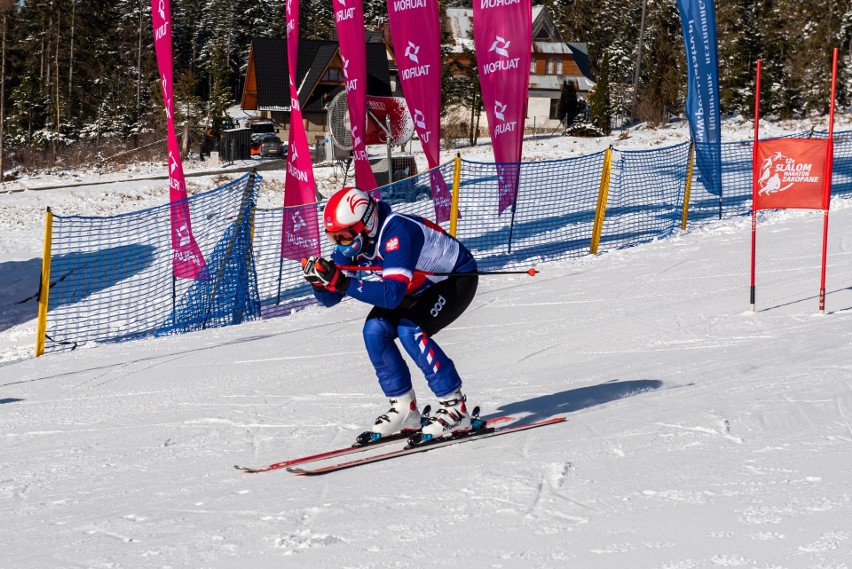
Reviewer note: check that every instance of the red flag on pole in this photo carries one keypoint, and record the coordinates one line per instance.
(790, 173)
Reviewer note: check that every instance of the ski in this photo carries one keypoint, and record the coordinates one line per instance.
(483, 433)
(343, 451)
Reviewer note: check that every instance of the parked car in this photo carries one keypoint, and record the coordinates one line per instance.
(272, 146)
(260, 129)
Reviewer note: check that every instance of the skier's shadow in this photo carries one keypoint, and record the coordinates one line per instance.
(546, 406)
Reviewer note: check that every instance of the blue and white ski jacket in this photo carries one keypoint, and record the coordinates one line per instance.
(405, 247)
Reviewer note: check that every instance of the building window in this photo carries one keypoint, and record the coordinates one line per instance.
(333, 75)
(532, 66)
(554, 66)
(554, 108)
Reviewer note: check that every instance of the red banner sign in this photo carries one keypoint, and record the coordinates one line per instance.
(791, 173)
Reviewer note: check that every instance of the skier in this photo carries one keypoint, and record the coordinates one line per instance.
(409, 303)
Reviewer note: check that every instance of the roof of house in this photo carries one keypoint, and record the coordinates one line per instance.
(267, 75)
(581, 58)
(460, 23)
(546, 41)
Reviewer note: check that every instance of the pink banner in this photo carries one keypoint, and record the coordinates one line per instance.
(300, 232)
(349, 19)
(502, 37)
(416, 33)
(187, 260)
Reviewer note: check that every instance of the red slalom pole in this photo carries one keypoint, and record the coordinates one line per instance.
(754, 174)
(531, 271)
(827, 182)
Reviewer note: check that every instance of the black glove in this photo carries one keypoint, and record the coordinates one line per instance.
(310, 276)
(324, 274)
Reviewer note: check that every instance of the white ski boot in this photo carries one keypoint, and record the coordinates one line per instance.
(402, 417)
(451, 418)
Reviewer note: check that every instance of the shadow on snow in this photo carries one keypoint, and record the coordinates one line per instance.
(546, 406)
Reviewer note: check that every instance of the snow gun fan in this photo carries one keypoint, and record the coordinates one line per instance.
(339, 128)
(388, 123)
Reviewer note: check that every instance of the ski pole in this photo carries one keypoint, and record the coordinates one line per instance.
(531, 271)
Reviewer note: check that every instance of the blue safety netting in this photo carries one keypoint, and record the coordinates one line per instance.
(111, 277)
(645, 196)
(280, 284)
(551, 219)
(229, 295)
(737, 177)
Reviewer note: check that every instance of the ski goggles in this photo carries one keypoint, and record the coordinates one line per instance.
(342, 237)
(352, 248)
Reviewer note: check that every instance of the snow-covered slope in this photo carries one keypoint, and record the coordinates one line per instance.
(699, 434)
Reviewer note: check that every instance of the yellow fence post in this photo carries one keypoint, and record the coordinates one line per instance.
(44, 285)
(454, 210)
(603, 194)
(688, 185)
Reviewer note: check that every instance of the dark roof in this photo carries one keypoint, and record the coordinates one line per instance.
(269, 56)
(581, 57)
(370, 36)
(270, 66)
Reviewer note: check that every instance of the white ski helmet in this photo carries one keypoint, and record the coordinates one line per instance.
(349, 213)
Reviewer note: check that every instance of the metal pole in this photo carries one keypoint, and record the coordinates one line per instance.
(2, 104)
(390, 149)
(531, 271)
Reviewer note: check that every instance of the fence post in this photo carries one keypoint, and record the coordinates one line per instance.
(454, 210)
(603, 194)
(44, 285)
(688, 189)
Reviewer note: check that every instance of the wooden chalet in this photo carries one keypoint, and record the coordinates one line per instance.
(319, 77)
(552, 61)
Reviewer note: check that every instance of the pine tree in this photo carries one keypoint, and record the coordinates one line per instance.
(461, 88)
(317, 20)
(221, 95)
(600, 110)
(780, 97)
(738, 40)
(7, 7)
(374, 10)
(569, 105)
(661, 95)
(86, 69)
